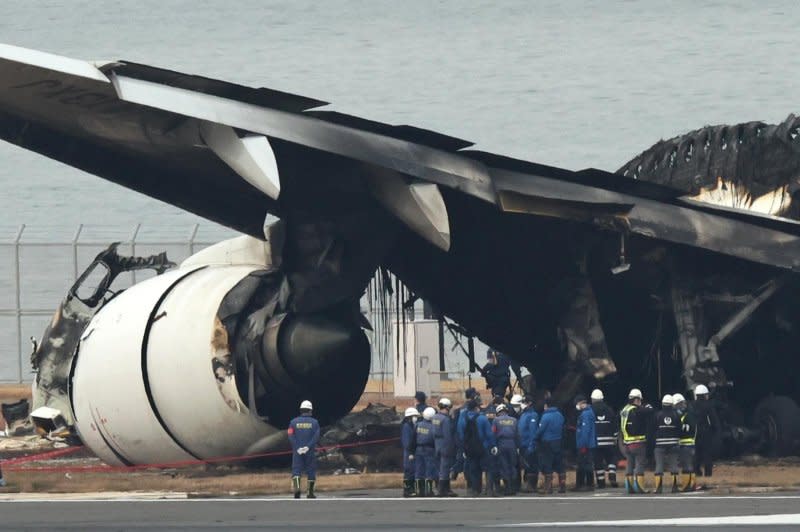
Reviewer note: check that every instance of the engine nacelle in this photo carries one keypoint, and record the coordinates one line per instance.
(205, 362)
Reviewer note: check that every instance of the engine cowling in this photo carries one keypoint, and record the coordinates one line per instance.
(167, 372)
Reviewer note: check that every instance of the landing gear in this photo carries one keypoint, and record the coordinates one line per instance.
(778, 419)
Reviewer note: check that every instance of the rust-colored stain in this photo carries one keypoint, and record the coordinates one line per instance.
(219, 338)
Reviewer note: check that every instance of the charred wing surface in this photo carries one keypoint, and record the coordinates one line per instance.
(52, 359)
(754, 166)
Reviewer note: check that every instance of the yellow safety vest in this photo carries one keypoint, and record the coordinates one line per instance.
(623, 425)
(687, 439)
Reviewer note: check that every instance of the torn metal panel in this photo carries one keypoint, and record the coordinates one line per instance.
(52, 358)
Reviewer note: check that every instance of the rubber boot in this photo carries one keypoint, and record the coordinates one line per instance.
(674, 483)
(659, 484)
(589, 481)
(579, 480)
(420, 488)
(296, 487)
(600, 477)
(448, 492)
(639, 484)
(612, 479)
(429, 488)
(310, 494)
(408, 488)
(690, 483)
(547, 489)
(562, 482)
(532, 482)
(629, 484)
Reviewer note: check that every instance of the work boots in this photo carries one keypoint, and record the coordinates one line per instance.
(612, 479)
(509, 491)
(408, 488)
(429, 488)
(639, 484)
(533, 482)
(600, 476)
(296, 487)
(444, 489)
(562, 482)
(674, 483)
(629, 484)
(310, 494)
(659, 484)
(547, 488)
(689, 485)
(580, 479)
(420, 488)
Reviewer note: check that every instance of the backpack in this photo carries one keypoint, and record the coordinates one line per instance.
(473, 447)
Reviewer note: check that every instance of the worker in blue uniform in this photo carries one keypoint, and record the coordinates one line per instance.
(444, 445)
(497, 373)
(408, 441)
(504, 428)
(526, 429)
(585, 444)
(459, 466)
(475, 431)
(425, 457)
(548, 442)
(303, 436)
(420, 398)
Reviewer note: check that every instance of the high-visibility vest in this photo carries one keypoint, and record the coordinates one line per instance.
(687, 439)
(623, 425)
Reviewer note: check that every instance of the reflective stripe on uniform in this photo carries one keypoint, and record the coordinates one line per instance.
(623, 417)
(689, 439)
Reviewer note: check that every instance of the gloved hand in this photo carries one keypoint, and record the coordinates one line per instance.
(494, 451)
(410, 456)
(302, 450)
(464, 455)
(583, 450)
(648, 406)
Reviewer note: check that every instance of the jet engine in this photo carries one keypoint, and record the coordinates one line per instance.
(211, 360)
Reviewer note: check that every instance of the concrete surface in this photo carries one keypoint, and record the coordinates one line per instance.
(383, 510)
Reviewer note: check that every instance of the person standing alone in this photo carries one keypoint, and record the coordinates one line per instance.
(304, 435)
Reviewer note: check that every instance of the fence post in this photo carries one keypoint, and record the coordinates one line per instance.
(18, 300)
(133, 249)
(75, 252)
(192, 236)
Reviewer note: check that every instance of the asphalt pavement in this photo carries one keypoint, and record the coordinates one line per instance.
(370, 510)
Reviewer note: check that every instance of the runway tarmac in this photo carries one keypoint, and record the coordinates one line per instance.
(370, 510)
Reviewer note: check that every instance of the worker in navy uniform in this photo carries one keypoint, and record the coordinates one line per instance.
(497, 373)
(526, 429)
(548, 442)
(515, 411)
(633, 425)
(420, 398)
(304, 435)
(585, 444)
(606, 428)
(459, 465)
(408, 440)
(688, 437)
(425, 457)
(444, 445)
(475, 431)
(708, 428)
(492, 484)
(504, 428)
(667, 436)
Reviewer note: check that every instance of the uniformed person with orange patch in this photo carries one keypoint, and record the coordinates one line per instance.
(304, 435)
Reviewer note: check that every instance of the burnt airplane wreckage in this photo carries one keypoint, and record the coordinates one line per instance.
(585, 277)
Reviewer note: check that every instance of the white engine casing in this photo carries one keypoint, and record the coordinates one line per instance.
(144, 388)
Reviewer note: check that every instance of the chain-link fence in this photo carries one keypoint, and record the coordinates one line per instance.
(39, 265)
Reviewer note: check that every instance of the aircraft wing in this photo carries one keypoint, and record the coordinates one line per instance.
(233, 154)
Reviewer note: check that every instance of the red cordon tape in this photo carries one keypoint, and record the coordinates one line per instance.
(10, 465)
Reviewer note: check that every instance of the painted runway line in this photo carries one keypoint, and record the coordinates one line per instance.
(734, 520)
(183, 497)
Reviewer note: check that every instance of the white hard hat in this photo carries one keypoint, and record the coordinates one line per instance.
(411, 411)
(700, 389)
(668, 400)
(444, 402)
(500, 408)
(597, 395)
(678, 398)
(516, 399)
(428, 413)
(635, 393)
(306, 405)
